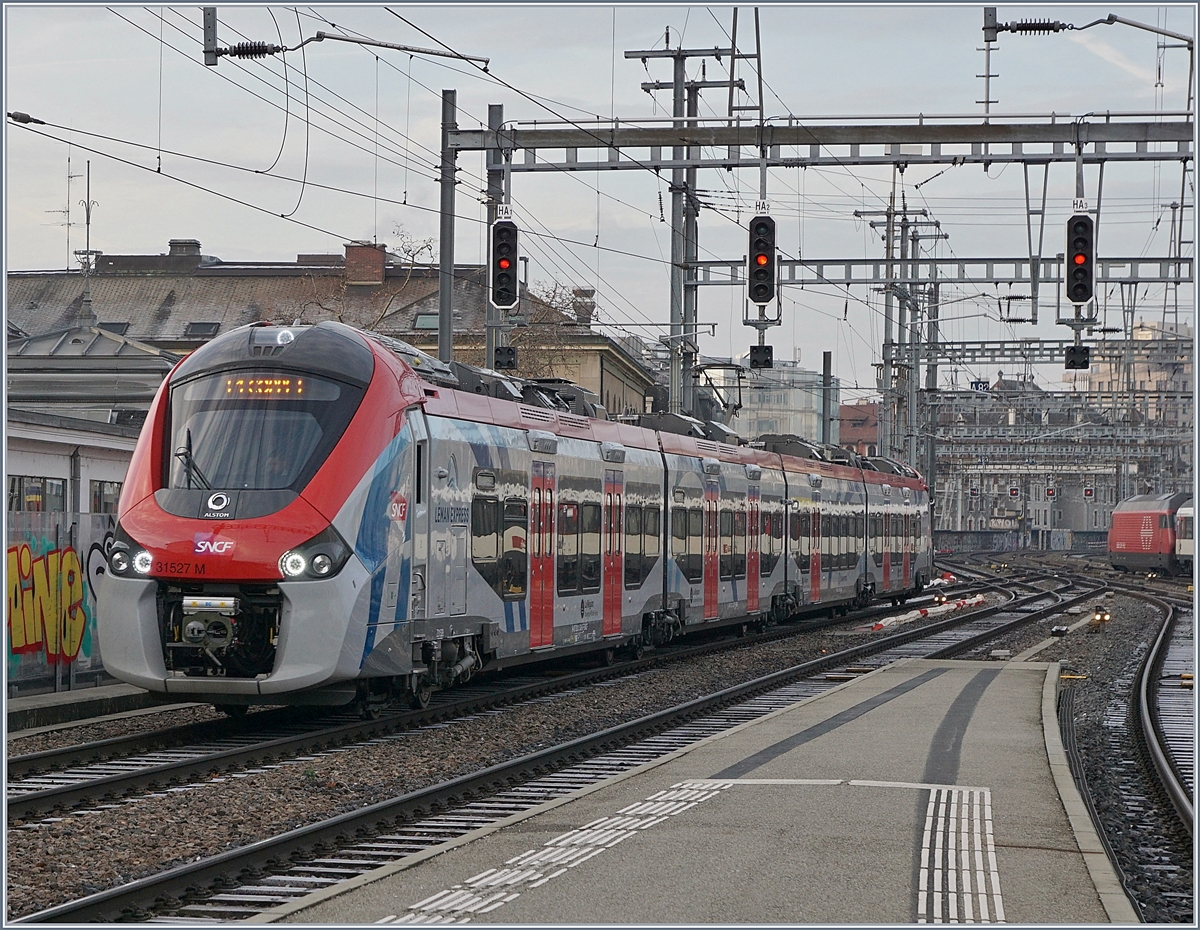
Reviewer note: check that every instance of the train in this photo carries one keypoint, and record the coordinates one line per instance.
(314, 514)
(1185, 536)
(1143, 536)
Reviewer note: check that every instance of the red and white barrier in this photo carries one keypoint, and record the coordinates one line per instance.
(946, 608)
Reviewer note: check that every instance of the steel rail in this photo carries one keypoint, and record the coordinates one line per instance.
(1155, 740)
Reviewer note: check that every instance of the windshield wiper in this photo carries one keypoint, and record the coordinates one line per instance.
(190, 468)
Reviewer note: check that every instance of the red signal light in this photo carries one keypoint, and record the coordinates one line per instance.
(761, 259)
(504, 263)
(1080, 258)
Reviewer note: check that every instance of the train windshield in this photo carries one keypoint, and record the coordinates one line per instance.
(256, 430)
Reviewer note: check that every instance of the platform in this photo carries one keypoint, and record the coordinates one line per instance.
(926, 791)
(33, 711)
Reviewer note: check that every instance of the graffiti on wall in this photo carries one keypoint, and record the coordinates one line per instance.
(46, 608)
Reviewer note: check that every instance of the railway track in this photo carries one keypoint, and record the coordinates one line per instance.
(1166, 709)
(253, 879)
(56, 781)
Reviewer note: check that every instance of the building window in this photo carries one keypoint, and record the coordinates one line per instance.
(426, 321)
(34, 495)
(119, 329)
(201, 330)
(105, 495)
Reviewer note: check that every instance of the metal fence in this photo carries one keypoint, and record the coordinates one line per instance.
(51, 615)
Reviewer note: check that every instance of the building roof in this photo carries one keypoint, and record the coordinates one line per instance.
(180, 301)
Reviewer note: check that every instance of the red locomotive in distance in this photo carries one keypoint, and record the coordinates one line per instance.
(1143, 534)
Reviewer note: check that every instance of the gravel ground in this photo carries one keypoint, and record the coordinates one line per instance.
(49, 863)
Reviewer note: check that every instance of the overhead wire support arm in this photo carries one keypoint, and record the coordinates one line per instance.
(262, 49)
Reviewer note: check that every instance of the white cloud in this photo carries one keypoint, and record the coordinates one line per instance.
(1102, 49)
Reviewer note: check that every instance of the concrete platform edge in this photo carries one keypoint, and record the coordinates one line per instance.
(1104, 877)
(386, 871)
(39, 710)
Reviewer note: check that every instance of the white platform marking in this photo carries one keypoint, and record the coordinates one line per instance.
(959, 881)
(959, 877)
(536, 867)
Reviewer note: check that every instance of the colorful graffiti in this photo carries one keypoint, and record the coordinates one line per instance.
(46, 609)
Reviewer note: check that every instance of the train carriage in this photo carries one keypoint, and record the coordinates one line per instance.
(1185, 536)
(317, 515)
(1142, 534)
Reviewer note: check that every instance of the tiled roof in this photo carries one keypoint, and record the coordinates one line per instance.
(159, 307)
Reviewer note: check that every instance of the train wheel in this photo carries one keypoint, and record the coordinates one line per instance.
(368, 710)
(419, 699)
(232, 710)
(608, 657)
(743, 629)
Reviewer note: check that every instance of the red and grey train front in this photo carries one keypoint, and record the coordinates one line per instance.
(235, 573)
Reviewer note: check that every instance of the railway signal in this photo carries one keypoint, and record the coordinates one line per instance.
(505, 358)
(1078, 358)
(502, 264)
(762, 357)
(1014, 491)
(1050, 494)
(1081, 259)
(762, 260)
(1089, 494)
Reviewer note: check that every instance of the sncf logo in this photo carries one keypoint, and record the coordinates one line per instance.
(207, 544)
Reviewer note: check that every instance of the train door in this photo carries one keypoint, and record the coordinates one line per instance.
(541, 556)
(711, 491)
(458, 570)
(887, 551)
(752, 550)
(814, 549)
(420, 513)
(908, 527)
(614, 560)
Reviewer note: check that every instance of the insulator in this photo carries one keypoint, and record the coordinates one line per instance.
(1037, 26)
(251, 50)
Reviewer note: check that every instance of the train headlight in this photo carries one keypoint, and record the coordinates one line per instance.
(321, 557)
(293, 564)
(126, 555)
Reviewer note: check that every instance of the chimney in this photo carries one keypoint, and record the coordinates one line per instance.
(584, 304)
(365, 262)
(185, 247)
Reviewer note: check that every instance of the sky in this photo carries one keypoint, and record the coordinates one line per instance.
(258, 167)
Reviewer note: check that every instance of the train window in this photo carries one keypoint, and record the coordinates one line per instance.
(726, 550)
(536, 528)
(589, 548)
(679, 547)
(568, 548)
(515, 573)
(255, 429)
(633, 547)
(803, 524)
(485, 529)
(651, 525)
(739, 544)
(695, 550)
(1164, 522)
(420, 473)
